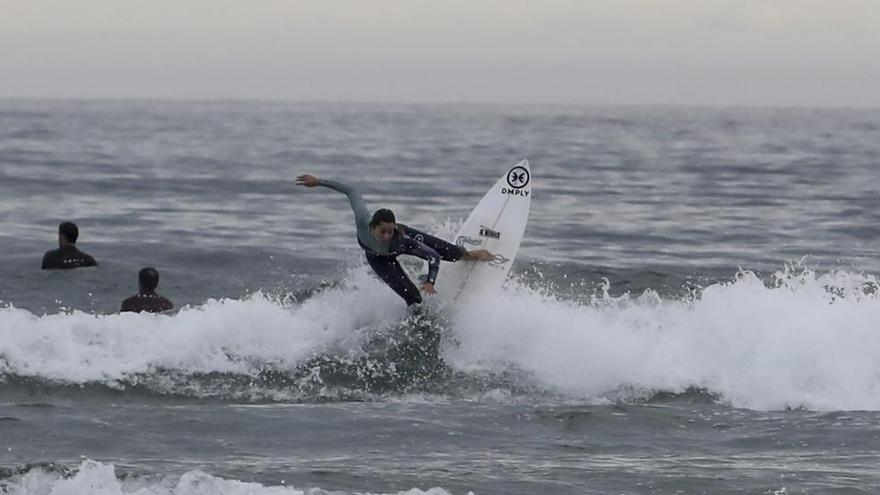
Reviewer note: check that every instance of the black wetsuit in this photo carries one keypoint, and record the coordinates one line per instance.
(406, 240)
(65, 257)
(146, 301)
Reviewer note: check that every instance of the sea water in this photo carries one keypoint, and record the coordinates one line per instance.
(694, 308)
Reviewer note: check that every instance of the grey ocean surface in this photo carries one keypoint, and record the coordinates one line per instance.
(694, 307)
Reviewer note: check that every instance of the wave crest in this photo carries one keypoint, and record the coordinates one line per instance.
(799, 339)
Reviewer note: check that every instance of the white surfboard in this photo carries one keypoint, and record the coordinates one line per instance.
(497, 224)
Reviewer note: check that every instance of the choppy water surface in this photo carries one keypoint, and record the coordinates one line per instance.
(694, 308)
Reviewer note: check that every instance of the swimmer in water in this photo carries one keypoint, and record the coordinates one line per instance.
(67, 255)
(146, 299)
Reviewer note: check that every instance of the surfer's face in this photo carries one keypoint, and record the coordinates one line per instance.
(383, 232)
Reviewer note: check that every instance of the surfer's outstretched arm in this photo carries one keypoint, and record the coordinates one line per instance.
(358, 206)
(446, 250)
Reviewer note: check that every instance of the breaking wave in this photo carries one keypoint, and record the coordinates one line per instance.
(800, 339)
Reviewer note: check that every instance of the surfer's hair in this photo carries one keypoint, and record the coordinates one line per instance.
(148, 278)
(69, 231)
(382, 215)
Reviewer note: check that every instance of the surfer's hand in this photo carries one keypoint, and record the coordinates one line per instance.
(428, 288)
(307, 180)
(479, 255)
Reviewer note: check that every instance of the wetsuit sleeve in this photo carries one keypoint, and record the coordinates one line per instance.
(416, 248)
(446, 250)
(358, 206)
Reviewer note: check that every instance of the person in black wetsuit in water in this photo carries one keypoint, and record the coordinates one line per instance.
(146, 299)
(67, 255)
(383, 240)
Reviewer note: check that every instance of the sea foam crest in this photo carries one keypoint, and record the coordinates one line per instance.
(235, 336)
(96, 478)
(802, 340)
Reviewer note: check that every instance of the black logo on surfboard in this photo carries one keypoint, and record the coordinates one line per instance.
(487, 232)
(518, 177)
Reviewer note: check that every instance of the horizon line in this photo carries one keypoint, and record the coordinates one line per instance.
(487, 103)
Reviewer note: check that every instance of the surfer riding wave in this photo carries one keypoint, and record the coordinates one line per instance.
(383, 240)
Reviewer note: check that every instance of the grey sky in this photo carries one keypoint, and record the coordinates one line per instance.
(727, 52)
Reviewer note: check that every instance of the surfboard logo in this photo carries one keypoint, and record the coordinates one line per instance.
(463, 240)
(518, 177)
(487, 232)
(498, 261)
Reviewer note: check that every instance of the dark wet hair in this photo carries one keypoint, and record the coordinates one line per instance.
(69, 230)
(382, 215)
(148, 278)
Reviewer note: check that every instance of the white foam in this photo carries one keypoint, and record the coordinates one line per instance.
(95, 478)
(793, 344)
(239, 336)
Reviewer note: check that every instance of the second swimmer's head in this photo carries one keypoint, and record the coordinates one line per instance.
(148, 279)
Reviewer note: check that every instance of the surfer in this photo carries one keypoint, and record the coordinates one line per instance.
(67, 255)
(383, 240)
(146, 299)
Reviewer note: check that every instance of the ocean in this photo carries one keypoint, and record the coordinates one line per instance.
(694, 307)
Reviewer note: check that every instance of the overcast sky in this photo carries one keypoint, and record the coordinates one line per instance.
(724, 52)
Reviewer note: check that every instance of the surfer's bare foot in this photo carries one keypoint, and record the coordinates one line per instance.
(479, 255)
